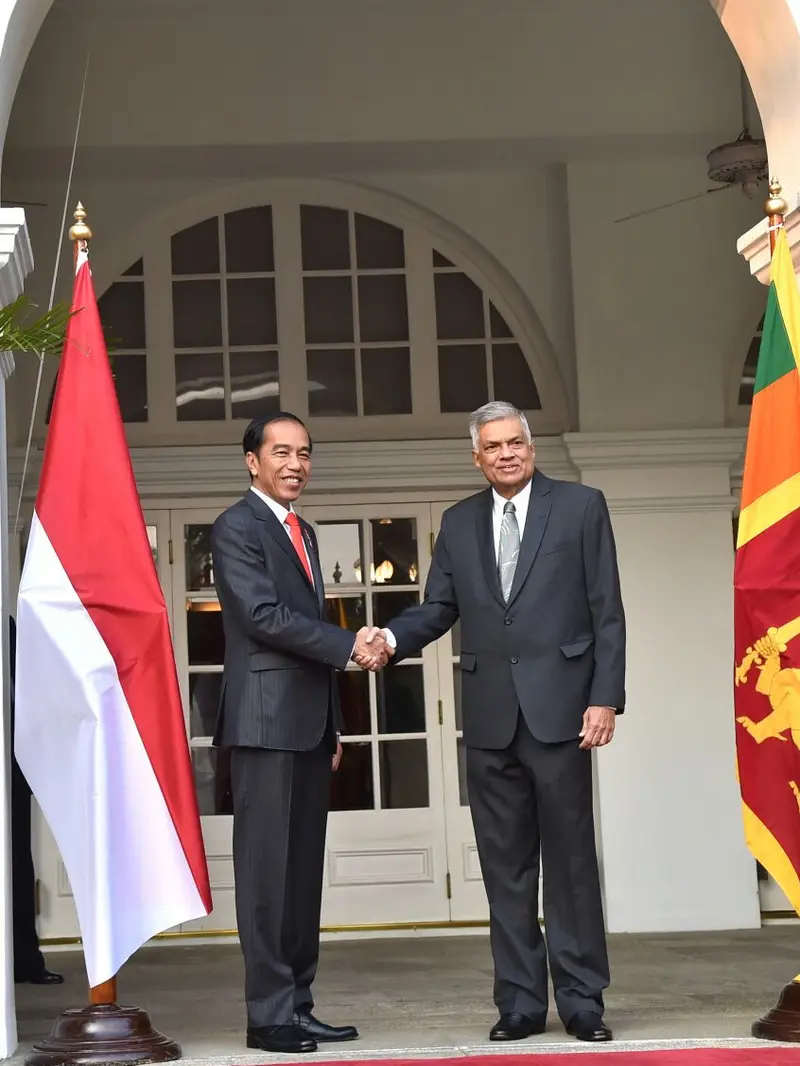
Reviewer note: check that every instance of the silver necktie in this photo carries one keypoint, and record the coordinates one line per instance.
(508, 549)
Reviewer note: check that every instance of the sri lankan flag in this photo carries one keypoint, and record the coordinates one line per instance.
(767, 592)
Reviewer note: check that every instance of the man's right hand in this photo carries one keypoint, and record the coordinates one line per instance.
(371, 651)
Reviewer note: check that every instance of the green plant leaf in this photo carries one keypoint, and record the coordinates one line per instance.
(21, 331)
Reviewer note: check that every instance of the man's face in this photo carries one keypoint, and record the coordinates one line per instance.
(504, 456)
(283, 463)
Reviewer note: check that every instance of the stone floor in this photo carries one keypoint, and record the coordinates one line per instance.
(432, 996)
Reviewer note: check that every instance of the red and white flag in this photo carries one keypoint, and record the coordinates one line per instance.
(99, 727)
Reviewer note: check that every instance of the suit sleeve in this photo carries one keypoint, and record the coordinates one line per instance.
(605, 604)
(247, 588)
(437, 613)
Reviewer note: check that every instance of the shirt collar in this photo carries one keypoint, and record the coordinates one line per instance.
(280, 512)
(520, 501)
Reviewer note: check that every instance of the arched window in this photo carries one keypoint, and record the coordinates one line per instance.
(327, 310)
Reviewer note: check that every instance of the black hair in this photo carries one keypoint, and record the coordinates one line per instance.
(254, 434)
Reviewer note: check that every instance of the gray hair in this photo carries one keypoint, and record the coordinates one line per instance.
(494, 412)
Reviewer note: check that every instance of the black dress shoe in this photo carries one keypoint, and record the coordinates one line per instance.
(587, 1025)
(319, 1031)
(41, 977)
(280, 1039)
(516, 1027)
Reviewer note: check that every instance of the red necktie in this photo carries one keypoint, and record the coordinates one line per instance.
(293, 522)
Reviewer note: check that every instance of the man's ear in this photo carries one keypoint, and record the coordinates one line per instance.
(476, 459)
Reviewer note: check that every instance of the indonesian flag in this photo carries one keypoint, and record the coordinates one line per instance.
(99, 726)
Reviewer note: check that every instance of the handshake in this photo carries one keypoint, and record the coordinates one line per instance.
(372, 651)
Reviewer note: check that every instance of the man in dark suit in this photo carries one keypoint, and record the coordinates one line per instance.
(279, 719)
(29, 964)
(529, 566)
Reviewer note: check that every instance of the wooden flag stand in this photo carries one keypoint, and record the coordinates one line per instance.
(782, 1022)
(103, 1032)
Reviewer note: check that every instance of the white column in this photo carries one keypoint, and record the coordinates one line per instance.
(673, 852)
(16, 262)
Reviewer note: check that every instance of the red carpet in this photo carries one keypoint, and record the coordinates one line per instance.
(768, 1055)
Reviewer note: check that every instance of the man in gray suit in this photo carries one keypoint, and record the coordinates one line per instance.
(529, 567)
(280, 718)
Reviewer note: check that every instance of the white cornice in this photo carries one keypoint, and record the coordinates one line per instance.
(637, 449)
(374, 466)
(753, 246)
(16, 256)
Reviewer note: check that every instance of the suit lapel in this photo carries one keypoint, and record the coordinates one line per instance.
(275, 531)
(313, 555)
(535, 523)
(486, 547)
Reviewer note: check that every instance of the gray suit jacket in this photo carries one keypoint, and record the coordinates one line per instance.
(558, 646)
(278, 684)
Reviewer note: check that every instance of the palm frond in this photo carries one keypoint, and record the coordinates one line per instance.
(21, 332)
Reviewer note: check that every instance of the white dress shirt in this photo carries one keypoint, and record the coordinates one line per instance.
(282, 513)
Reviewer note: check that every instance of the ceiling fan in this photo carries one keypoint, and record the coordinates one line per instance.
(741, 163)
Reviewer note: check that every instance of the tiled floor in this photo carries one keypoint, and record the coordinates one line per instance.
(432, 996)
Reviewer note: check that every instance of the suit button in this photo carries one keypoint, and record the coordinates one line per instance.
(514, 661)
(508, 621)
(327, 662)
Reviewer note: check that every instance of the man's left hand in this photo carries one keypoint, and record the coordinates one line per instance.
(598, 726)
(337, 758)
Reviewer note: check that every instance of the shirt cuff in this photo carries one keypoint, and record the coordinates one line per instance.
(390, 639)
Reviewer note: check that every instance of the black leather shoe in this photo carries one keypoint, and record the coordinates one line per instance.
(42, 977)
(586, 1025)
(280, 1039)
(319, 1031)
(516, 1027)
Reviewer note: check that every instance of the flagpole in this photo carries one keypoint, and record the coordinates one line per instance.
(103, 1032)
(775, 208)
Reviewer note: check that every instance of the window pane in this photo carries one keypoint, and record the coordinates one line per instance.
(513, 380)
(748, 381)
(351, 785)
(386, 606)
(197, 549)
(459, 308)
(440, 261)
(328, 310)
(498, 324)
(251, 311)
(254, 384)
(199, 388)
(196, 250)
(386, 381)
(204, 690)
(212, 780)
(130, 380)
(354, 700)
(404, 774)
(152, 537)
(122, 314)
(462, 377)
(394, 551)
(340, 552)
(325, 238)
(382, 307)
(379, 246)
(248, 241)
(134, 271)
(332, 382)
(204, 635)
(196, 314)
(349, 612)
(401, 700)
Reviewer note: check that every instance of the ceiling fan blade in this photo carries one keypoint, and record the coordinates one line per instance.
(22, 203)
(673, 203)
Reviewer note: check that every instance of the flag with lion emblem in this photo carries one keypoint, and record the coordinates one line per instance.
(767, 592)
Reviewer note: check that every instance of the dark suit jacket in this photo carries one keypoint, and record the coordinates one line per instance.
(278, 685)
(558, 646)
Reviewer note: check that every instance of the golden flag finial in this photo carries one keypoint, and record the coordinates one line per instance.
(80, 231)
(775, 205)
